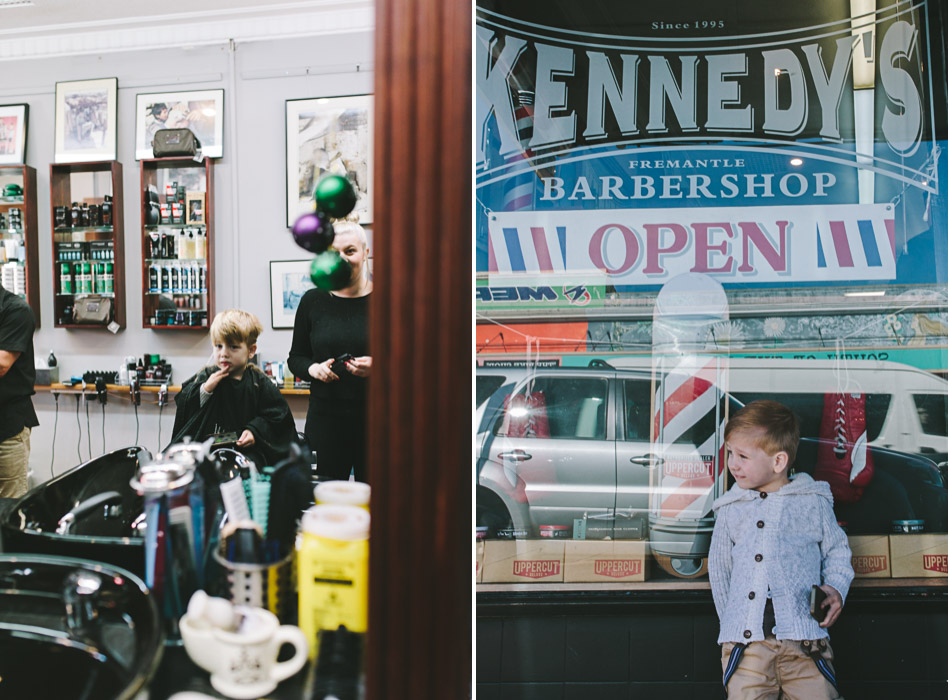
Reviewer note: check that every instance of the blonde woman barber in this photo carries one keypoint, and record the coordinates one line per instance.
(329, 325)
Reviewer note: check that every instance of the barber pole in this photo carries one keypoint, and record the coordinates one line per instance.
(689, 413)
(690, 394)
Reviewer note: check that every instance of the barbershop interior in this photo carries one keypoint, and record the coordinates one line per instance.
(235, 375)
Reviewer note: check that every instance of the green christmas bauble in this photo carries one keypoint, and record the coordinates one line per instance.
(335, 195)
(330, 271)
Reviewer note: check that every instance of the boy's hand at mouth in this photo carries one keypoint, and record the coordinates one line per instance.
(211, 382)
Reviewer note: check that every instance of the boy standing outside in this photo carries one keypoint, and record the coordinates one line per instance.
(774, 537)
(233, 396)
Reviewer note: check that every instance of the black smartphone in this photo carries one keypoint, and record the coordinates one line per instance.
(817, 596)
(338, 365)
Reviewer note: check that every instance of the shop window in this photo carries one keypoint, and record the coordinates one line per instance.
(638, 402)
(558, 408)
(485, 386)
(809, 410)
(932, 412)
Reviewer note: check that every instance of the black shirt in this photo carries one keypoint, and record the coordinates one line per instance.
(328, 326)
(16, 386)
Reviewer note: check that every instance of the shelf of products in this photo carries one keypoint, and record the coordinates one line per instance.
(19, 268)
(177, 199)
(88, 245)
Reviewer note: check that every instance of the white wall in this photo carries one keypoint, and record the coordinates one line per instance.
(250, 220)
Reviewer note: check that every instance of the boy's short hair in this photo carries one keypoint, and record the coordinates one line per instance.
(236, 325)
(780, 425)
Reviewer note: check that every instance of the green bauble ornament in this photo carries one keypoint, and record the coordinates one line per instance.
(330, 271)
(335, 195)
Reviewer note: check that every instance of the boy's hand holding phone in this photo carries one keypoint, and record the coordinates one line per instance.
(825, 604)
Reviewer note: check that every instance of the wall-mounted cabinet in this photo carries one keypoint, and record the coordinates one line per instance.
(19, 265)
(177, 196)
(88, 245)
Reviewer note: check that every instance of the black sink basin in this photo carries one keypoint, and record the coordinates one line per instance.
(72, 629)
(104, 532)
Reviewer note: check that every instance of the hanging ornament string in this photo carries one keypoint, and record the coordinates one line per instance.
(333, 198)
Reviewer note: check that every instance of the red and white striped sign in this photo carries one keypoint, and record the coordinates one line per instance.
(689, 397)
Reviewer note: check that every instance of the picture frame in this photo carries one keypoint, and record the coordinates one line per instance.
(329, 135)
(289, 281)
(14, 122)
(86, 120)
(195, 212)
(201, 111)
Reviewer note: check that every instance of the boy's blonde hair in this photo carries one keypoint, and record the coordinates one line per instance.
(781, 430)
(236, 326)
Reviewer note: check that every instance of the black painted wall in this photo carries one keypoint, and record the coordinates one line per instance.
(577, 647)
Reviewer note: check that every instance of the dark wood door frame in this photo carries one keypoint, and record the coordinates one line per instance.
(420, 400)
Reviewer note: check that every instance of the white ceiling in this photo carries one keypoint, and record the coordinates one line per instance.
(73, 27)
(52, 16)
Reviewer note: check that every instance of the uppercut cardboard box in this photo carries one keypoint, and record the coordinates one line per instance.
(479, 562)
(919, 556)
(871, 556)
(523, 561)
(618, 560)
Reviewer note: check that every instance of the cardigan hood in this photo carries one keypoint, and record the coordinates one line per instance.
(800, 485)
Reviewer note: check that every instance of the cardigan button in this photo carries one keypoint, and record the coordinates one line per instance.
(747, 634)
(760, 523)
(751, 595)
(758, 557)
(763, 494)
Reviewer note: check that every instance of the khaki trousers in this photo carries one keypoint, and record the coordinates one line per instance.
(14, 464)
(779, 669)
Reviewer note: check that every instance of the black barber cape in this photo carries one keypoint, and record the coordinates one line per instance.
(250, 403)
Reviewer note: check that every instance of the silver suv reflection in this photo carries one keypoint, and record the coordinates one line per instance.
(583, 453)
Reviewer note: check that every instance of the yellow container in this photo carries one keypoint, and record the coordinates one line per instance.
(333, 561)
(342, 493)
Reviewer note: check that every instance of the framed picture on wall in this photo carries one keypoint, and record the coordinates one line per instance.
(289, 281)
(86, 120)
(328, 135)
(201, 111)
(13, 124)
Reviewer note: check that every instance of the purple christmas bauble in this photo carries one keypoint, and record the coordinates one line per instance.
(313, 232)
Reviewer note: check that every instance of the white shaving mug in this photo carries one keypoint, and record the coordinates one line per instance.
(243, 663)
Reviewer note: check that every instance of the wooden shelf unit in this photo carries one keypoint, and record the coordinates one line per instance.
(161, 304)
(62, 193)
(25, 176)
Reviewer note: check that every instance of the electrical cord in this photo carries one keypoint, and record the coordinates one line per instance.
(88, 425)
(103, 428)
(79, 424)
(161, 408)
(135, 406)
(52, 456)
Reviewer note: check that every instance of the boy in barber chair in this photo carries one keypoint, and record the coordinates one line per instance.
(232, 399)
